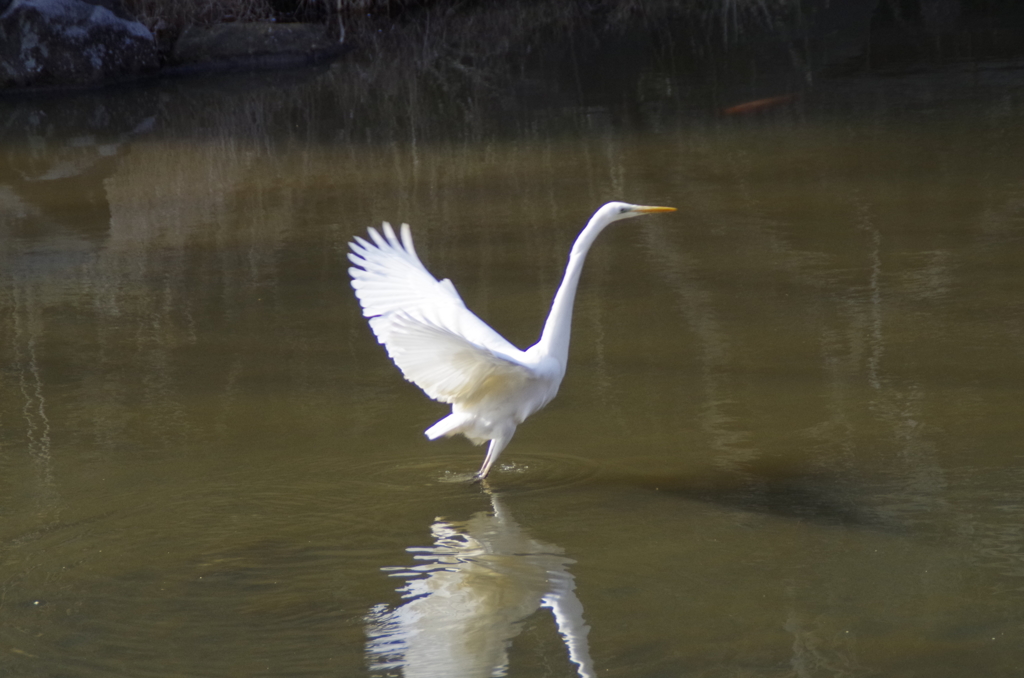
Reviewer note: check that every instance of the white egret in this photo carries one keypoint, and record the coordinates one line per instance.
(455, 357)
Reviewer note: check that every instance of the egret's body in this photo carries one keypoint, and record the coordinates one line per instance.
(455, 357)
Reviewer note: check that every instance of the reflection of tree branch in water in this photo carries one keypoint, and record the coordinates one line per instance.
(877, 344)
(468, 599)
(853, 348)
(696, 306)
(27, 324)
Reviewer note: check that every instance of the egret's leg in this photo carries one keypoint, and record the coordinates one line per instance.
(493, 452)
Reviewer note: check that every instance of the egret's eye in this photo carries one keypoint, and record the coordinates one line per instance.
(623, 210)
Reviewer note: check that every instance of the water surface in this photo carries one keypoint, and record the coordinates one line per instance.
(788, 443)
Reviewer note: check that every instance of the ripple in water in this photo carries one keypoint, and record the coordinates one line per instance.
(522, 472)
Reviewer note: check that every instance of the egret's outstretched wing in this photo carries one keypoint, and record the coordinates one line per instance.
(438, 343)
(391, 276)
(448, 367)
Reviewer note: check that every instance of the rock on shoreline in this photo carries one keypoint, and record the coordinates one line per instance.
(48, 44)
(70, 42)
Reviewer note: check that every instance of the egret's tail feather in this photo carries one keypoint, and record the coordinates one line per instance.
(448, 426)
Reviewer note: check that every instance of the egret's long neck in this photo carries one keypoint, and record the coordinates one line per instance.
(554, 340)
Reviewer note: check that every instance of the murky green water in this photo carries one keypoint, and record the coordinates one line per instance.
(788, 444)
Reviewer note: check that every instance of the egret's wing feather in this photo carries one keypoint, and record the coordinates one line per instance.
(436, 341)
(447, 366)
(391, 277)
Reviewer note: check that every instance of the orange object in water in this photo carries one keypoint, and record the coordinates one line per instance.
(758, 104)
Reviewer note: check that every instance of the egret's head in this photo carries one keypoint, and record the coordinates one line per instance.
(614, 211)
(608, 214)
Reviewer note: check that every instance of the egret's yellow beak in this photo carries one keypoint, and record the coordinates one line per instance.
(647, 209)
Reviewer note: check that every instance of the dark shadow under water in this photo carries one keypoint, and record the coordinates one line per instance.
(780, 490)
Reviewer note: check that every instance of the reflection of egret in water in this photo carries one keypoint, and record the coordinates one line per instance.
(468, 599)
